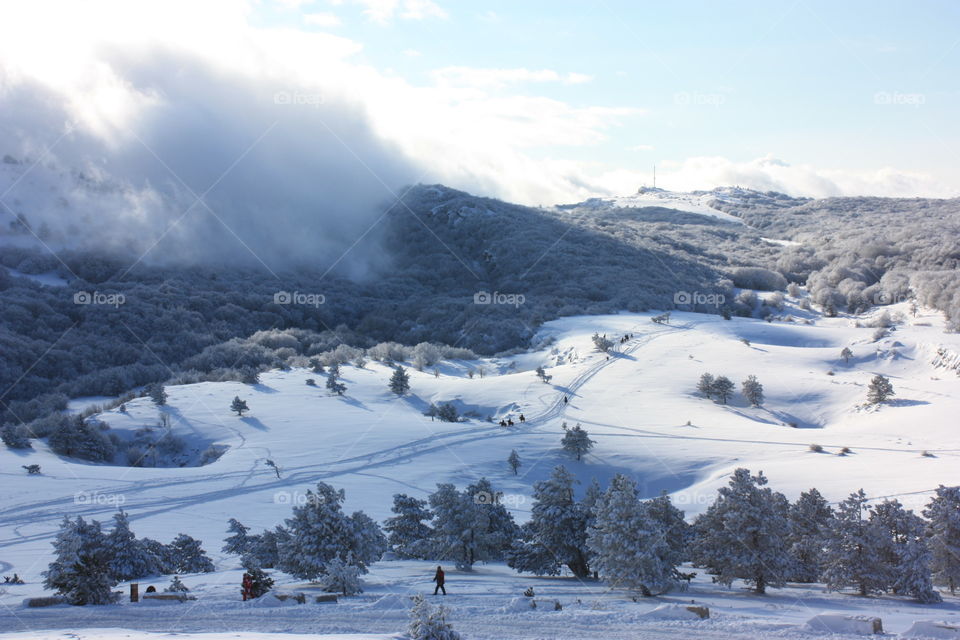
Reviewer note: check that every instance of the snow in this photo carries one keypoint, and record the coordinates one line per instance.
(833, 623)
(639, 406)
(698, 202)
(935, 630)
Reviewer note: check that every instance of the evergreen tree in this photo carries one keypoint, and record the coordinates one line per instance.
(514, 461)
(239, 543)
(400, 381)
(129, 557)
(811, 519)
(157, 393)
(407, 532)
(81, 568)
(542, 374)
(78, 438)
(879, 390)
(316, 366)
(602, 343)
(470, 526)
(265, 548)
(333, 381)
(188, 555)
(162, 556)
(705, 385)
(176, 586)
(577, 442)
(630, 547)
(905, 551)
(743, 534)
(723, 389)
(846, 354)
(320, 531)
(556, 534)
(239, 405)
(854, 550)
(427, 623)
(15, 437)
(753, 391)
(342, 576)
(943, 530)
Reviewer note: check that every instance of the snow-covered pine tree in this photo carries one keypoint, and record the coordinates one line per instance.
(176, 586)
(629, 548)
(265, 548)
(905, 551)
(240, 542)
(188, 555)
(576, 441)
(556, 533)
(854, 549)
(239, 405)
(407, 532)
(342, 576)
(542, 374)
(514, 461)
(943, 531)
(400, 381)
(319, 531)
(129, 557)
(723, 389)
(810, 521)
(679, 534)
(743, 533)
(15, 436)
(427, 623)
(333, 381)
(602, 343)
(81, 567)
(753, 391)
(705, 385)
(879, 390)
(162, 555)
(846, 354)
(157, 393)
(469, 526)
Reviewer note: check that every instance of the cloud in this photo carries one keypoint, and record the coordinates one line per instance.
(322, 19)
(385, 11)
(500, 78)
(641, 147)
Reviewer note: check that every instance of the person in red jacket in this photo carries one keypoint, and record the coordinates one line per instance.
(247, 589)
(439, 579)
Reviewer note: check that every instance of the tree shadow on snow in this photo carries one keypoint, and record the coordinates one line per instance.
(255, 423)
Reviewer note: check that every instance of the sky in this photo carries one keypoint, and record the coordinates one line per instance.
(535, 102)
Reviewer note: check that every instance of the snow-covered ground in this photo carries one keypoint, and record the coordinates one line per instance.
(696, 202)
(640, 407)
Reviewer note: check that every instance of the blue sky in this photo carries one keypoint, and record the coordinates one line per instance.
(741, 80)
(542, 102)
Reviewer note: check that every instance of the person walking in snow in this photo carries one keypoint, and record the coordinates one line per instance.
(522, 419)
(438, 577)
(565, 400)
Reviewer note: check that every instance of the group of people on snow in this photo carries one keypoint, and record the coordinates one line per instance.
(509, 421)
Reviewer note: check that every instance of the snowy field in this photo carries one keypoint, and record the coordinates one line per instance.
(639, 405)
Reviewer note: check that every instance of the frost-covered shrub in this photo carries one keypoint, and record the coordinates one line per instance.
(78, 438)
(758, 278)
(15, 436)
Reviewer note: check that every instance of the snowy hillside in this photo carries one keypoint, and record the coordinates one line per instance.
(639, 404)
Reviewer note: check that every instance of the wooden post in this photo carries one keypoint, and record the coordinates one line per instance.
(134, 592)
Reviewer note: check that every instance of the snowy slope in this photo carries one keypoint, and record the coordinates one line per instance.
(703, 203)
(638, 405)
